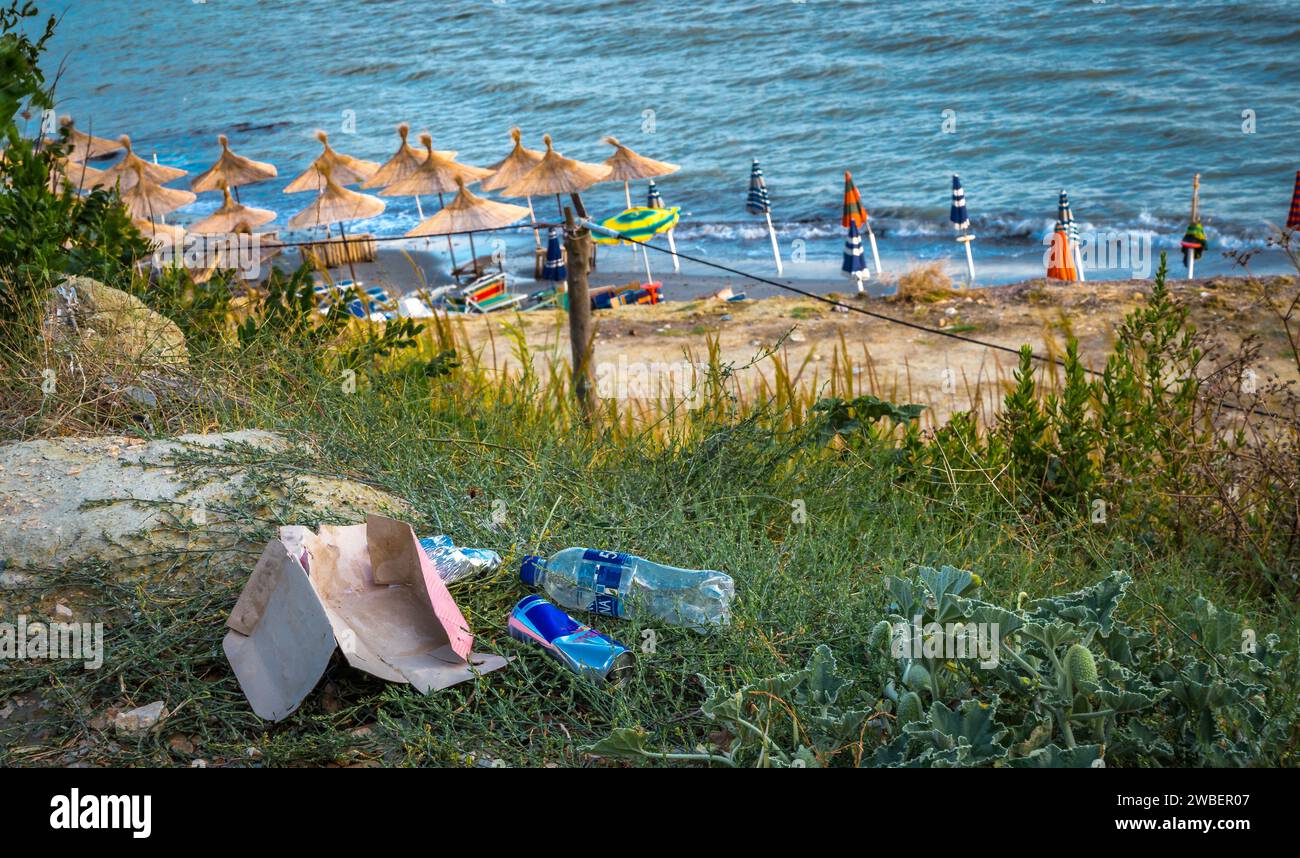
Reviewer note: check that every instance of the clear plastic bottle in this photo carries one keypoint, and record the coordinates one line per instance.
(610, 583)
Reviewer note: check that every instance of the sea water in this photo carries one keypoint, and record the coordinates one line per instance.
(1119, 102)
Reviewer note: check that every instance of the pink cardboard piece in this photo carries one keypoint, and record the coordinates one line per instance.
(383, 601)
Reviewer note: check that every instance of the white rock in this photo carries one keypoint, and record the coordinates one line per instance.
(141, 719)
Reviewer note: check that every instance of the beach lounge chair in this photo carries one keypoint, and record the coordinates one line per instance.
(487, 294)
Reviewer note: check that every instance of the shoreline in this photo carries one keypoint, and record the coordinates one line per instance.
(406, 270)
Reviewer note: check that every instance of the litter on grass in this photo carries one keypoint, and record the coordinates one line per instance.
(372, 590)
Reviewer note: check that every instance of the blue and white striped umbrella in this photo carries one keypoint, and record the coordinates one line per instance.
(854, 262)
(654, 199)
(554, 269)
(758, 201)
(958, 213)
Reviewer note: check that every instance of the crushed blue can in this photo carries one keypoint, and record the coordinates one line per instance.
(578, 647)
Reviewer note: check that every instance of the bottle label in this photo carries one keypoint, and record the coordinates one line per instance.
(602, 571)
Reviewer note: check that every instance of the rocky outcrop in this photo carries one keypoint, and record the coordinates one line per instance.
(135, 504)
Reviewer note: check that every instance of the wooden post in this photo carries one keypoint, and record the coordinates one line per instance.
(577, 245)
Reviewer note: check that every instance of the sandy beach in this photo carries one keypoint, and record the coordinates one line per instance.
(891, 360)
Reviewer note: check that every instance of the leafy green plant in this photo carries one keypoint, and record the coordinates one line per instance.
(793, 720)
(1074, 685)
(834, 416)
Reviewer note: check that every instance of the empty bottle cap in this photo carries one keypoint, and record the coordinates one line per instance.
(529, 567)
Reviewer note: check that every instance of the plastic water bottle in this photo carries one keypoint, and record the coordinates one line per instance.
(610, 583)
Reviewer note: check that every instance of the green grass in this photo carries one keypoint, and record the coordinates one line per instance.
(719, 496)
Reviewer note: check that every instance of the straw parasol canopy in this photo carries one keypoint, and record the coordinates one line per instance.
(403, 164)
(336, 204)
(79, 175)
(231, 171)
(435, 175)
(512, 167)
(146, 198)
(344, 169)
(231, 216)
(626, 165)
(468, 212)
(84, 147)
(556, 174)
(123, 173)
(159, 233)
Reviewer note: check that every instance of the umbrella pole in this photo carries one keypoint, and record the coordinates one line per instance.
(351, 268)
(776, 249)
(970, 259)
(450, 249)
(419, 209)
(473, 254)
(875, 254)
(636, 248)
(532, 218)
(1078, 262)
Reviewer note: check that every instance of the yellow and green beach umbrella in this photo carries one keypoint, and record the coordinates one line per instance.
(637, 225)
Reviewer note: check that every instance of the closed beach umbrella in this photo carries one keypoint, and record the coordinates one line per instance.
(556, 174)
(344, 169)
(855, 214)
(855, 264)
(961, 222)
(436, 175)
(85, 147)
(655, 200)
(1194, 241)
(758, 202)
(468, 212)
(150, 200)
(1060, 263)
(1293, 219)
(1066, 215)
(638, 225)
(626, 166)
(231, 215)
(123, 173)
(336, 204)
(554, 269)
(231, 171)
(513, 167)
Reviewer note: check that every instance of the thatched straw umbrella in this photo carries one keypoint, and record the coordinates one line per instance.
(402, 165)
(84, 147)
(123, 173)
(79, 175)
(336, 204)
(435, 175)
(231, 171)
(469, 212)
(556, 174)
(159, 233)
(148, 199)
(511, 169)
(344, 169)
(625, 166)
(231, 215)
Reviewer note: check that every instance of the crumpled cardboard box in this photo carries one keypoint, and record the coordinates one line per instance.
(368, 588)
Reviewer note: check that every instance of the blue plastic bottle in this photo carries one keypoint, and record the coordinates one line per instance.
(610, 583)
